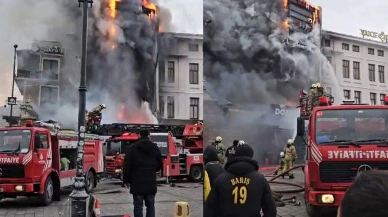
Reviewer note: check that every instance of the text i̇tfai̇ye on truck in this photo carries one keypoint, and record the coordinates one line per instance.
(31, 159)
(343, 140)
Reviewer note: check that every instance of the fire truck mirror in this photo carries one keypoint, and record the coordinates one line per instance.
(300, 127)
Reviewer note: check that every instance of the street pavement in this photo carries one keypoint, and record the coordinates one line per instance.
(114, 200)
(291, 210)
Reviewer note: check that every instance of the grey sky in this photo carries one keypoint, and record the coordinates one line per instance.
(187, 15)
(349, 16)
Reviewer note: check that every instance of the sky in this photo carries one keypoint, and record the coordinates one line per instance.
(187, 15)
(349, 16)
(344, 16)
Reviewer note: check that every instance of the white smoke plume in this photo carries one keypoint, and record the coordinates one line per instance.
(247, 64)
(114, 76)
(21, 23)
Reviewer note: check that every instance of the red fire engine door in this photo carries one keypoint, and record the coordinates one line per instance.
(42, 154)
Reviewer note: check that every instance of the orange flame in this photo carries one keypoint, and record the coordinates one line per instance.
(285, 24)
(151, 6)
(285, 3)
(112, 8)
(126, 117)
(112, 5)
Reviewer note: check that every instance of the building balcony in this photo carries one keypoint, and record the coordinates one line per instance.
(41, 75)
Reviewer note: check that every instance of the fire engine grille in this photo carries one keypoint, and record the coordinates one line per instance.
(110, 166)
(12, 171)
(345, 172)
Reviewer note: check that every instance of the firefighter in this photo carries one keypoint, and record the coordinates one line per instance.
(313, 90)
(320, 90)
(281, 164)
(290, 157)
(65, 162)
(220, 149)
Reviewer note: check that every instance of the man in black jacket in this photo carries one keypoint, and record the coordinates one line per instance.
(231, 151)
(241, 191)
(212, 166)
(142, 160)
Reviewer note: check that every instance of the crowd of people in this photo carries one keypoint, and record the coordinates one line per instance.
(233, 185)
(238, 189)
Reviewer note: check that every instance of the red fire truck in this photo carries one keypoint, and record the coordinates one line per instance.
(181, 147)
(30, 161)
(343, 140)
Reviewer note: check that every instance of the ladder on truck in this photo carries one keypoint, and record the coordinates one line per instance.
(63, 135)
(117, 129)
(72, 135)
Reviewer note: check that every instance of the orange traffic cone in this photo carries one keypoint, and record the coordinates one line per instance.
(97, 211)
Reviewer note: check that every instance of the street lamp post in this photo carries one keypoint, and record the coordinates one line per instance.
(13, 85)
(79, 197)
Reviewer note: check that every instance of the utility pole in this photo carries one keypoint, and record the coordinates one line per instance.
(11, 120)
(79, 197)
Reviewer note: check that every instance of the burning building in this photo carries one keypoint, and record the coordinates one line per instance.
(121, 64)
(269, 50)
(125, 53)
(301, 17)
(132, 66)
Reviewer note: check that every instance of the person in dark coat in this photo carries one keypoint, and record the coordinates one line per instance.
(212, 169)
(231, 151)
(241, 191)
(142, 161)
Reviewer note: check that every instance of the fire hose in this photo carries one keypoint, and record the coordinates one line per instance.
(298, 187)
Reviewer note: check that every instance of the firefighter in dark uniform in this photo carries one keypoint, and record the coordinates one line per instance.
(231, 151)
(241, 190)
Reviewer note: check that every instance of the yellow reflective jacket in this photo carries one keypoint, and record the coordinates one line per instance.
(206, 186)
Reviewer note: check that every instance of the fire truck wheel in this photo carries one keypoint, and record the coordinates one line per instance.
(196, 174)
(313, 211)
(90, 182)
(48, 194)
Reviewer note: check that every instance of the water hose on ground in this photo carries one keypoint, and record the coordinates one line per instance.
(298, 188)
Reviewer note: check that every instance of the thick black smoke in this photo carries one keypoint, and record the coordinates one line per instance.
(248, 65)
(244, 50)
(122, 57)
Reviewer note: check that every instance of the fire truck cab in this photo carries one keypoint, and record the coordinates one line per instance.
(342, 141)
(181, 159)
(31, 160)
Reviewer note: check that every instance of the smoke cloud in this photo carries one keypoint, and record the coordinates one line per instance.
(244, 48)
(21, 23)
(122, 52)
(248, 65)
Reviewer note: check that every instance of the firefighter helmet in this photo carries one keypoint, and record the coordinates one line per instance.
(313, 86)
(290, 142)
(318, 85)
(218, 139)
(103, 106)
(241, 142)
(281, 154)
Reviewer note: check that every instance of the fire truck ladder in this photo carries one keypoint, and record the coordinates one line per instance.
(117, 129)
